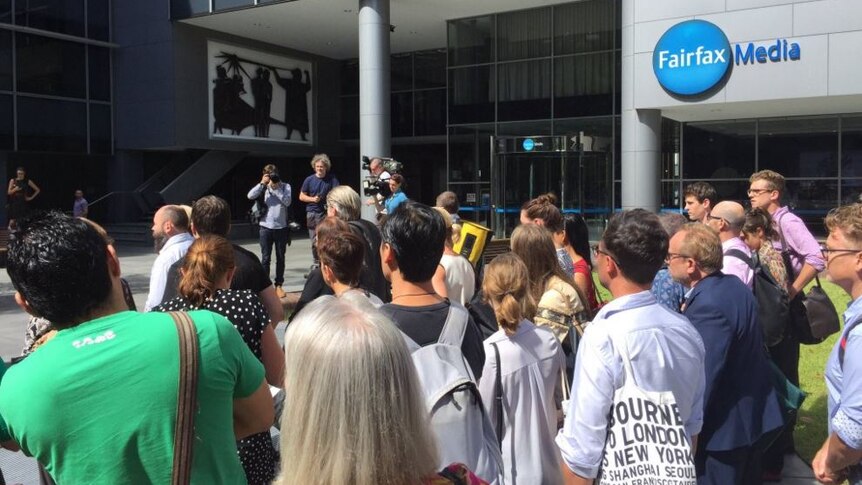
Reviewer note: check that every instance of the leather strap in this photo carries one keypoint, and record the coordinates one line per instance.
(498, 397)
(187, 405)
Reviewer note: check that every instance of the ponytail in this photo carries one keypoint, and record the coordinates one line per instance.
(208, 260)
(506, 288)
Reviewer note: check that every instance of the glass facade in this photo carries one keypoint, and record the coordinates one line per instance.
(551, 71)
(820, 156)
(183, 9)
(55, 94)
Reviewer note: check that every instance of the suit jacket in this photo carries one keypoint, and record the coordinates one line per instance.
(740, 402)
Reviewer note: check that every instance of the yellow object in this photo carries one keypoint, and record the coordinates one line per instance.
(471, 245)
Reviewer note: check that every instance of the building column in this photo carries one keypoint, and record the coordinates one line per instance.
(640, 131)
(374, 130)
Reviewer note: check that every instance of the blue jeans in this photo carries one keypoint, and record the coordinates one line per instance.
(279, 238)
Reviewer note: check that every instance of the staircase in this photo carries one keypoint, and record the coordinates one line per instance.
(131, 233)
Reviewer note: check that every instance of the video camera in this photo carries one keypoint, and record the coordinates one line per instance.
(372, 184)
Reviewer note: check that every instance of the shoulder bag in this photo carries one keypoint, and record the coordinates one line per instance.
(181, 472)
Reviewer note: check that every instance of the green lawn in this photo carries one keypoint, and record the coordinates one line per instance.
(811, 425)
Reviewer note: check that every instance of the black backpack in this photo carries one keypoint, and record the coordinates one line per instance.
(773, 307)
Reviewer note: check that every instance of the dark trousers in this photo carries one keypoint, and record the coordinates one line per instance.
(786, 356)
(739, 466)
(312, 219)
(279, 237)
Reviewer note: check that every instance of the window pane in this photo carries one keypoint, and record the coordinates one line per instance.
(98, 20)
(402, 114)
(524, 34)
(812, 200)
(471, 41)
(48, 125)
(584, 27)
(65, 16)
(722, 149)
(401, 72)
(181, 9)
(50, 66)
(350, 77)
(6, 60)
(524, 90)
(100, 128)
(671, 196)
(470, 153)
(851, 191)
(7, 134)
(430, 69)
(471, 95)
(800, 147)
(6, 11)
(670, 145)
(100, 73)
(584, 85)
(226, 4)
(430, 112)
(524, 128)
(349, 117)
(851, 147)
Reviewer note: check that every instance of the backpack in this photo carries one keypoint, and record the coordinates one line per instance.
(773, 307)
(458, 418)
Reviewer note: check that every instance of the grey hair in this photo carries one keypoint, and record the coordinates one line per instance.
(353, 408)
(346, 203)
(321, 157)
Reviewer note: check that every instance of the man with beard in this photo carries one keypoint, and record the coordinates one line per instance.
(172, 240)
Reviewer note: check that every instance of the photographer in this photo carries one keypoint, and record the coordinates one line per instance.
(381, 182)
(273, 199)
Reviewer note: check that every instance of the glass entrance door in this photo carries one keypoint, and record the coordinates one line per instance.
(524, 168)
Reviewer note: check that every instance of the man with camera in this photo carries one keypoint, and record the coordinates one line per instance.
(379, 188)
(272, 198)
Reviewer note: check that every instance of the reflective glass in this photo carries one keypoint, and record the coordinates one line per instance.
(812, 200)
(401, 121)
(181, 9)
(471, 95)
(471, 41)
(6, 11)
(524, 34)
(100, 73)
(7, 134)
(350, 77)
(401, 72)
(799, 147)
(851, 146)
(64, 16)
(430, 112)
(5, 60)
(50, 66)
(584, 85)
(228, 4)
(470, 153)
(98, 20)
(430, 69)
(524, 90)
(670, 148)
(524, 128)
(349, 117)
(49, 125)
(720, 149)
(587, 26)
(851, 190)
(671, 195)
(100, 128)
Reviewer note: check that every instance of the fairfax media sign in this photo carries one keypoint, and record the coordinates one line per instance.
(694, 57)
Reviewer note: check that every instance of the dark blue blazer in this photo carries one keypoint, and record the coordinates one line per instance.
(740, 403)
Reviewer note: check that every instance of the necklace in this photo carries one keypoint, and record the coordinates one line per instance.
(413, 294)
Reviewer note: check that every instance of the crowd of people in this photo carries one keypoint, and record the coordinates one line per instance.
(405, 363)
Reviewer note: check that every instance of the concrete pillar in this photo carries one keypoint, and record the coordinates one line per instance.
(374, 132)
(640, 131)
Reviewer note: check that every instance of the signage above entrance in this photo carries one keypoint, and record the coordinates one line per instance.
(694, 57)
(691, 58)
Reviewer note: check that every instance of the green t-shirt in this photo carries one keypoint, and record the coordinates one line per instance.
(4, 432)
(97, 404)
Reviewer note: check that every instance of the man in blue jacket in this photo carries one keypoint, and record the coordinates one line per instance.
(740, 404)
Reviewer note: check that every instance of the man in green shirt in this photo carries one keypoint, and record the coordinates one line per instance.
(97, 403)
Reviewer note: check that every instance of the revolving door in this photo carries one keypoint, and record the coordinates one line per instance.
(576, 168)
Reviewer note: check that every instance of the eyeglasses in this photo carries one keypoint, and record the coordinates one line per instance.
(671, 256)
(825, 251)
(715, 218)
(757, 191)
(597, 251)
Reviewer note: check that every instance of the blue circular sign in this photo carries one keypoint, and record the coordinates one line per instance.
(691, 58)
(528, 144)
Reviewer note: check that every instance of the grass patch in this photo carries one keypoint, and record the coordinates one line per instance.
(811, 427)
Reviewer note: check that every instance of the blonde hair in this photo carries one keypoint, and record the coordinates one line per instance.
(506, 287)
(354, 412)
(208, 259)
(321, 157)
(346, 202)
(453, 231)
(701, 243)
(533, 244)
(848, 218)
(773, 179)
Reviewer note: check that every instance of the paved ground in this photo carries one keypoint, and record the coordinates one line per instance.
(136, 263)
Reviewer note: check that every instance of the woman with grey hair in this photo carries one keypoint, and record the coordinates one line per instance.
(360, 417)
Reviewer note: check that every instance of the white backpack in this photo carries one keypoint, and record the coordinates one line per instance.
(462, 428)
